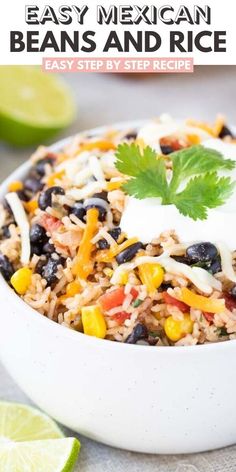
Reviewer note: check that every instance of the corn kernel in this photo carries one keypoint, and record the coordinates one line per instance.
(72, 289)
(123, 278)
(114, 185)
(151, 275)
(31, 206)
(177, 329)
(15, 186)
(93, 321)
(108, 272)
(52, 179)
(21, 280)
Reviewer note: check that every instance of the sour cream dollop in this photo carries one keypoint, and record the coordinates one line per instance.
(147, 219)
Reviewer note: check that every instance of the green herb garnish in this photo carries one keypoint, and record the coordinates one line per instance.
(204, 188)
(137, 303)
(223, 332)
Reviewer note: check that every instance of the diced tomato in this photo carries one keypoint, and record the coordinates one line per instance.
(115, 298)
(173, 301)
(121, 317)
(50, 223)
(230, 302)
(134, 293)
(209, 316)
(171, 141)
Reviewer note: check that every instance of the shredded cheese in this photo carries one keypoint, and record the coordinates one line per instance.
(96, 168)
(82, 177)
(23, 224)
(226, 261)
(207, 278)
(89, 189)
(204, 281)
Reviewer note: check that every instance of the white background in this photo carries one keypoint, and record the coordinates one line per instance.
(12, 17)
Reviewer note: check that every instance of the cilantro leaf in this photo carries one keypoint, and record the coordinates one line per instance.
(148, 177)
(203, 192)
(130, 160)
(151, 182)
(196, 160)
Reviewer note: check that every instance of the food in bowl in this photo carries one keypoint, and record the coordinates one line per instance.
(127, 235)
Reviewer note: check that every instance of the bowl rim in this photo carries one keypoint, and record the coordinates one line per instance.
(18, 173)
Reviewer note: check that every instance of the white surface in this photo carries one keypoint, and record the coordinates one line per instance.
(108, 99)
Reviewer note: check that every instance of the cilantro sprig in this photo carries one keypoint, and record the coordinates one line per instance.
(195, 167)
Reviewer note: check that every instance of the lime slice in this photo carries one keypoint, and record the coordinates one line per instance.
(32, 442)
(23, 423)
(34, 105)
(50, 455)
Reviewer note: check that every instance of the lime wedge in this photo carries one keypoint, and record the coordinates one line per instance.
(50, 455)
(32, 442)
(34, 105)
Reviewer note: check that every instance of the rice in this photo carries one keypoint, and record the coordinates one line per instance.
(66, 279)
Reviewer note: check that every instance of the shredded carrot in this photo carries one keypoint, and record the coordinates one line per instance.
(108, 254)
(199, 302)
(101, 145)
(62, 157)
(15, 186)
(219, 123)
(201, 125)
(54, 177)
(114, 185)
(83, 265)
(193, 139)
(72, 289)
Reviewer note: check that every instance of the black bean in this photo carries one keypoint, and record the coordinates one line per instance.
(139, 332)
(78, 210)
(202, 252)
(5, 231)
(164, 287)
(50, 269)
(45, 198)
(6, 206)
(103, 244)
(37, 234)
(166, 149)
(215, 266)
(225, 132)
(129, 253)
(33, 185)
(233, 291)
(115, 234)
(132, 135)
(48, 248)
(152, 340)
(102, 195)
(40, 165)
(23, 196)
(94, 203)
(40, 265)
(36, 249)
(182, 259)
(6, 267)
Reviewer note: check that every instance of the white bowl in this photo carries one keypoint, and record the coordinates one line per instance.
(141, 398)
